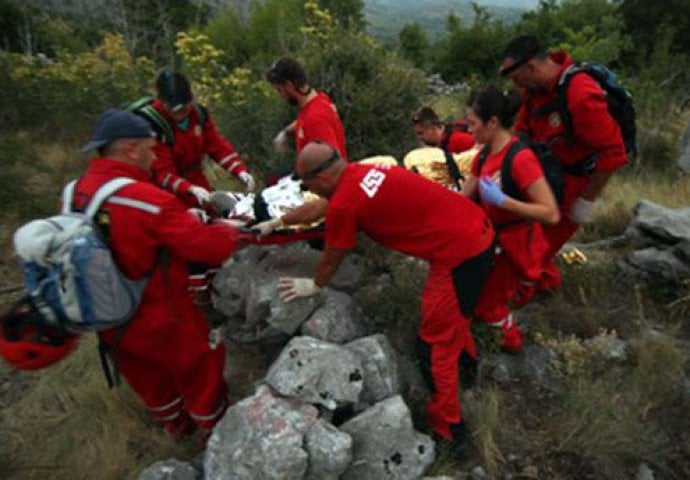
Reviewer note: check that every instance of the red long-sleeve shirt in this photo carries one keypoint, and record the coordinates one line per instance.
(178, 168)
(319, 120)
(595, 131)
(145, 220)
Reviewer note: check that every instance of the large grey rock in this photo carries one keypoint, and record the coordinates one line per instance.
(655, 264)
(255, 311)
(330, 451)
(317, 372)
(532, 364)
(171, 469)
(666, 224)
(299, 260)
(644, 472)
(247, 293)
(262, 436)
(381, 373)
(386, 444)
(338, 320)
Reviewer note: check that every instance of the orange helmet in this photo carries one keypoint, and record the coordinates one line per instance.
(27, 342)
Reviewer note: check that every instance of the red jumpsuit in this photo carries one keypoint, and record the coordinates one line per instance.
(457, 141)
(178, 168)
(521, 241)
(410, 214)
(319, 120)
(163, 352)
(594, 132)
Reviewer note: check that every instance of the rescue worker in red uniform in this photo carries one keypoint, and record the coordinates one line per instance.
(179, 161)
(517, 220)
(317, 118)
(410, 214)
(163, 352)
(453, 137)
(595, 135)
(178, 168)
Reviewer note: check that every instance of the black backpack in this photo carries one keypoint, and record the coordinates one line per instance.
(620, 105)
(453, 170)
(161, 126)
(549, 164)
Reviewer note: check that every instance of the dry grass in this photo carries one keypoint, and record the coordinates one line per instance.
(70, 426)
(604, 421)
(614, 209)
(483, 412)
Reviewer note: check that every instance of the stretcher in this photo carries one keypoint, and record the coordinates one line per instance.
(274, 202)
(430, 162)
(247, 209)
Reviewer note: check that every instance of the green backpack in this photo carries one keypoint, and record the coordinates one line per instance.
(164, 130)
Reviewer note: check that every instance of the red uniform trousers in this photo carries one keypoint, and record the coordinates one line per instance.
(557, 235)
(448, 300)
(165, 356)
(520, 261)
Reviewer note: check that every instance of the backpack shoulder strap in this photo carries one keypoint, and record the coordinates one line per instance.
(507, 182)
(483, 155)
(202, 112)
(68, 197)
(105, 191)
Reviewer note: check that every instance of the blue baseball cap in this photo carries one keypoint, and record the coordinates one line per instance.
(116, 124)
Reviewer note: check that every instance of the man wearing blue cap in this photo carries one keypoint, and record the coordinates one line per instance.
(163, 352)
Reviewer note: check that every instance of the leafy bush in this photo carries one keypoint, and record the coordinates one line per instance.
(71, 90)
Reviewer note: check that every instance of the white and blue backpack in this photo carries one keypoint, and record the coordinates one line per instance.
(69, 271)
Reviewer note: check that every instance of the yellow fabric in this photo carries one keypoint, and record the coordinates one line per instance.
(430, 162)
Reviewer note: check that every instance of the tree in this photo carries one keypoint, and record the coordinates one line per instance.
(644, 20)
(348, 14)
(472, 50)
(149, 28)
(589, 30)
(414, 44)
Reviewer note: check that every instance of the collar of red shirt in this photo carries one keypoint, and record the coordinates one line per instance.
(117, 168)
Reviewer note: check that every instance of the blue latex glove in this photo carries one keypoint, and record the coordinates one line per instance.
(491, 193)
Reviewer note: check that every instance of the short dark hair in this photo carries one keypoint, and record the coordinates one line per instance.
(495, 102)
(522, 49)
(173, 88)
(425, 116)
(286, 69)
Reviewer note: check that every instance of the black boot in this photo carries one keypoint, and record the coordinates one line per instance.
(468, 370)
(461, 438)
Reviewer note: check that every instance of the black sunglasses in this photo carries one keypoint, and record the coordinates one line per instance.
(335, 156)
(505, 71)
(273, 76)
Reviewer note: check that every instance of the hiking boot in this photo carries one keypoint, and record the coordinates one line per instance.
(468, 370)
(512, 336)
(461, 438)
(223, 203)
(180, 428)
(525, 293)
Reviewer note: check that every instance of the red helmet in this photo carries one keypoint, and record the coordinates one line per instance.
(27, 343)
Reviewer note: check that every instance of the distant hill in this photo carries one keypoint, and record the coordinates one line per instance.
(387, 17)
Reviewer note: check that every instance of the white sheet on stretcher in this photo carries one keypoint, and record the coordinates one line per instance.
(280, 198)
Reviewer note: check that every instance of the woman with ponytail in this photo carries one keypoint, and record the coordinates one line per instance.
(508, 182)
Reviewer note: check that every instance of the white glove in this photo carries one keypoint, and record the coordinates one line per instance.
(266, 227)
(248, 180)
(281, 143)
(291, 288)
(202, 195)
(582, 211)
